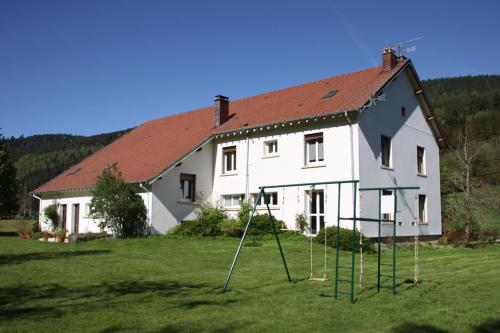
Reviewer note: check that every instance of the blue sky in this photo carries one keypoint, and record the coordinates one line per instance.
(87, 67)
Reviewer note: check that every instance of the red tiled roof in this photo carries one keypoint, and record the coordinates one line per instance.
(146, 151)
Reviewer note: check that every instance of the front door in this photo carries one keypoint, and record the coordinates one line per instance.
(63, 216)
(76, 218)
(316, 211)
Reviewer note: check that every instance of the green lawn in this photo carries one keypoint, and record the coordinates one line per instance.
(174, 285)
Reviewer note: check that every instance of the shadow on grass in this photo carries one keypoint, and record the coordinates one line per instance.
(10, 259)
(488, 326)
(44, 301)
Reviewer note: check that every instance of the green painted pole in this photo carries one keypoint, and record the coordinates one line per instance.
(394, 243)
(337, 243)
(277, 238)
(379, 240)
(233, 264)
(353, 240)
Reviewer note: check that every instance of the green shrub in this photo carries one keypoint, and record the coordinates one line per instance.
(207, 223)
(345, 239)
(261, 225)
(231, 227)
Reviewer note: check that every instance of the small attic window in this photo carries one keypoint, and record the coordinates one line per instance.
(330, 94)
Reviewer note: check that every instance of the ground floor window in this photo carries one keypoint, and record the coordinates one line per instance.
(271, 198)
(422, 208)
(316, 211)
(232, 200)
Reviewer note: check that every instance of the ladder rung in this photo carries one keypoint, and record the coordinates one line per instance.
(389, 276)
(343, 280)
(386, 287)
(343, 293)
(381, 264)
(348, 267)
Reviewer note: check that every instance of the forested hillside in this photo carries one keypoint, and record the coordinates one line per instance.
(39, 158)
(468, 109)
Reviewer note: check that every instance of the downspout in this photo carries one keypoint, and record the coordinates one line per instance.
(247, 175)
(39, 205)
(149, 204)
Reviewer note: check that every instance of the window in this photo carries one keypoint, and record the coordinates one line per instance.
(229, 159)
(387, 206)
(403, 111)
(188, 187)
(316, 211)
(271, 198)
(387, 217)
(314, 148)
(271, 148)
(87, 209)
(422, 208)
(385, 151)
(232, 200)
(421, 160)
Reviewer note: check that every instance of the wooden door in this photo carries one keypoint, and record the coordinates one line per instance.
(76, 218)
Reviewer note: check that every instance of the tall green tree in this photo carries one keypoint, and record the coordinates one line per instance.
(8, 184)
(117, 206)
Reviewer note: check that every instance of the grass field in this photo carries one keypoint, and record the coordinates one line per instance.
(174, 285)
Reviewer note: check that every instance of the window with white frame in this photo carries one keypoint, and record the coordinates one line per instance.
(271, 198)
(387, 206)
(385, 151)
(422, 208)
(232, 200)
(421, 160)
(188, 187)
(314, 152)
(87, 209)
(229, 159)
(271, 148)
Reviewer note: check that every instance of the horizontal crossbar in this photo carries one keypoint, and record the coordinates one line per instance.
(311, 184)
(388, 276)
(343, 280)
(367, 219)
(389, 188)
(343, 293)
(348, 267)
(382, 264)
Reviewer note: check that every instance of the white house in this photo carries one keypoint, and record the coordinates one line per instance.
(374, 125)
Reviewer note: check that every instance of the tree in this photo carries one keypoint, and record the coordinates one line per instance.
(8, 184)
(51, 213)
(117, 206)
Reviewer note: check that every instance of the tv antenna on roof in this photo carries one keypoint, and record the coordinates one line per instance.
(400, 48)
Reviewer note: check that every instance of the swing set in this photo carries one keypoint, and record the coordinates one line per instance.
(350, 267)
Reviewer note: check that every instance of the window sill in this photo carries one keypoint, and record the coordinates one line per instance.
(315, 165)
(386, 168)
(231, 209)
(270, 156)
(270, 207)
(187, 202)
(229, 174)
(422, 175)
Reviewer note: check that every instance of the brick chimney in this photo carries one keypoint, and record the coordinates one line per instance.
(389, 59)
(221, 107)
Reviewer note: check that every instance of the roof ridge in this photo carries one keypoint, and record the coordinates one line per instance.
(304, 84)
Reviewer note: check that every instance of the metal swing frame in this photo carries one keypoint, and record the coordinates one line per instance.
(354, 219)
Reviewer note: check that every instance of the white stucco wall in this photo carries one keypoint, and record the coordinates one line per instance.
(289, 167)
(407, 132)
(167, 208)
